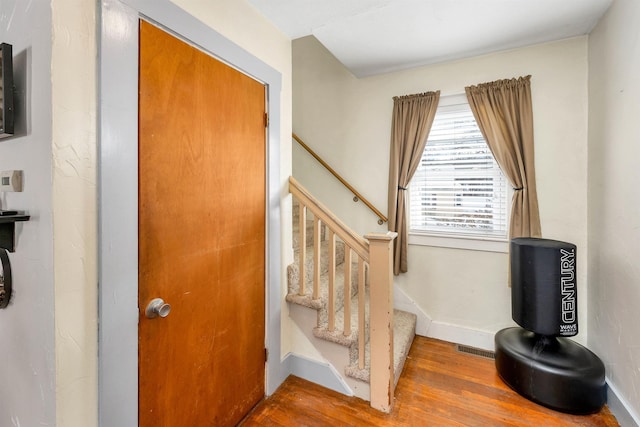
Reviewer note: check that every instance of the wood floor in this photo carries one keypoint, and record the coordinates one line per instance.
(438, 387)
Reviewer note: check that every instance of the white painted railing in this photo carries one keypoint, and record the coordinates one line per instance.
(375, 252)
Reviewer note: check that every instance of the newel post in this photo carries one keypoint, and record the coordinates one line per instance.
(381, 319)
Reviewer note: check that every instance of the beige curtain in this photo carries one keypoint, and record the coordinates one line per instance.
(504, 114)
(412, 119)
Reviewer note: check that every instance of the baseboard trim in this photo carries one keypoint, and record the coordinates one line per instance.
(321, 373)
(620, 408)
(461, 335)
(402, 301)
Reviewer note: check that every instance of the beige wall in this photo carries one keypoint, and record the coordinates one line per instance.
(73, 75)
(347, 121)
(614, 199)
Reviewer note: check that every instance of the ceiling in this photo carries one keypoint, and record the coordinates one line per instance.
(377, 36)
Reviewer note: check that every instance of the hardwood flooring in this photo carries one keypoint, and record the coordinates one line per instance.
(438, 387)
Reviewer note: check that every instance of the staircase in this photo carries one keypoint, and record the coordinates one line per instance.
(334, 300)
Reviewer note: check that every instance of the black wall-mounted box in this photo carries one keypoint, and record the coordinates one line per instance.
(6, 90)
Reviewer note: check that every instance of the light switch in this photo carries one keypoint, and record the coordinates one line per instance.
(11, 180)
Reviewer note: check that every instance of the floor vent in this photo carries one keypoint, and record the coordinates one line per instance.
(487, 354)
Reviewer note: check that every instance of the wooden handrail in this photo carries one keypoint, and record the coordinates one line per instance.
(375, 250)
(342, 180)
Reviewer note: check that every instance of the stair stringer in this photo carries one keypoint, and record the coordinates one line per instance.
(316, 371)
(402, 301)
(337, 355)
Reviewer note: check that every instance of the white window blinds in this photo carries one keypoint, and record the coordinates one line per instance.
(458, 188)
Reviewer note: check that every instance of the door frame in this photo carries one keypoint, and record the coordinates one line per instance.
(118, 194)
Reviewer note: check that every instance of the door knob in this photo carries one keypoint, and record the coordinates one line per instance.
(157, 307)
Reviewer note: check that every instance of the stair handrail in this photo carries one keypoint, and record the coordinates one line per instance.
(375, 249)
(355, 241)
(382, 218)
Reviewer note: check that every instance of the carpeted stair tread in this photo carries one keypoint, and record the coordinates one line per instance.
(404, 330)
(337, 335)
(309, 238)
(321, 303)
(293, 270)
(309, 227)
(305, 300)
(404, 323)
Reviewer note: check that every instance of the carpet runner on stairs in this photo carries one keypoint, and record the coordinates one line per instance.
(404, 323)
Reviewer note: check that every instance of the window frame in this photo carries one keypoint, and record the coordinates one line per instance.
(461, 241)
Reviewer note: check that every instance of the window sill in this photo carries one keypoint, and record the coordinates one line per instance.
(459, 242)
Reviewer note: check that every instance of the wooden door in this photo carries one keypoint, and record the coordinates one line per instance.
(201, 236)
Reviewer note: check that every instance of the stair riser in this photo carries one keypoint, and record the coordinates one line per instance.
(323, 315)
(403, 335)
(309, 237)
(293, 274)
(294, 269)
(337, 335)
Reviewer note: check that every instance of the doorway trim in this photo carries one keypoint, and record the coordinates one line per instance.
(118, 194)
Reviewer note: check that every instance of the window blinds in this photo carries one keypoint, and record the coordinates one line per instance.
(458, 188)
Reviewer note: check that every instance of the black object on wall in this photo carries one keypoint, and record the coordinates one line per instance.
(5, 279)
(7, 244)
(6, 90)
(539, 362)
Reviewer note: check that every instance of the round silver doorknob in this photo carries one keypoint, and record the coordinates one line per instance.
(157, 308)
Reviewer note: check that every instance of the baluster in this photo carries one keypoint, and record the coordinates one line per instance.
(302, 248)
(332, 280)
(316, 256)
(347, 291)
(361, 313)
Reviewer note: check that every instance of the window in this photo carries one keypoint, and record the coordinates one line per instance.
(458, 189)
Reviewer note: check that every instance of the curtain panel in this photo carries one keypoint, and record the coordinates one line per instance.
(411, 122)
(504, 114)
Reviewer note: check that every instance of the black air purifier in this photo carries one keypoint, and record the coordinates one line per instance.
(538, 360)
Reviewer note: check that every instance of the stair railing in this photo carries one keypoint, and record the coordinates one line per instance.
(357, 196)
(375, 251)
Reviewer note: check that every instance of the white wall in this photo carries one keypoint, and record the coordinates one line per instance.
(614, 199)
(348, 120)
(27, 392)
